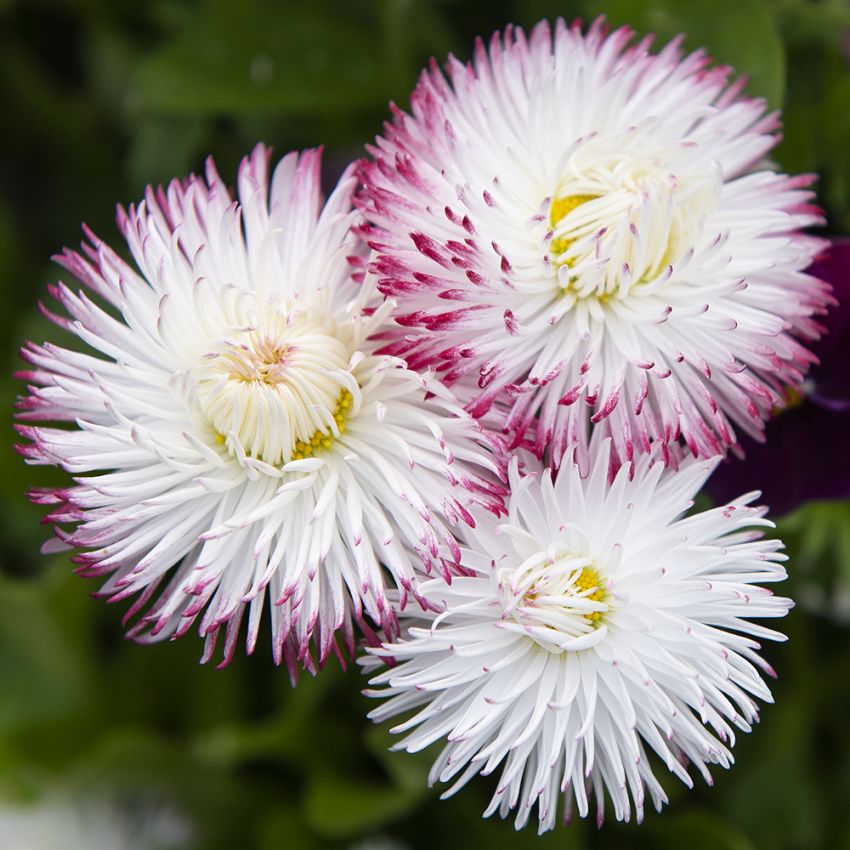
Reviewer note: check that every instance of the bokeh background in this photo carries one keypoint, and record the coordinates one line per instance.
(101, 97)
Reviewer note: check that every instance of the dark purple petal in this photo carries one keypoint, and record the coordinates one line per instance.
(806, 456)
(832, 377)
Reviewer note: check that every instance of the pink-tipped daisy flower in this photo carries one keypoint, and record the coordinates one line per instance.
(232, 435)
(600, 633)
(593, 233)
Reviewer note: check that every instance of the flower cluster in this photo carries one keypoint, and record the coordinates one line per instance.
(461, 408)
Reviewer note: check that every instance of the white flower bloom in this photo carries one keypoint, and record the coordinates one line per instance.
(591, 232)
(598, 630)
(237, 438)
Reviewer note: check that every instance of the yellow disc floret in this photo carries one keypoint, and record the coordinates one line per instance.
(323, 440)
(792, 398)
(269, 376)
(561, 208)
(588, 580)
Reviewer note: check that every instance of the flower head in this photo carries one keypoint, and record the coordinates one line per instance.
(234, 437)
(596, 627)
(591, 231)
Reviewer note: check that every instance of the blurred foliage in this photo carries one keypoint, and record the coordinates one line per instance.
(105, 96)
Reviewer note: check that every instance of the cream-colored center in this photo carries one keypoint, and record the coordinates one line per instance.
(562, 596)
(618, 222)
(270, 387)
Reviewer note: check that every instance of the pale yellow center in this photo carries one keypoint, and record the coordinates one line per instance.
(322, 439)
(561, 208)
(619, 220)
(555, 598)
(259, 359)
(590, 585)
(280, 388)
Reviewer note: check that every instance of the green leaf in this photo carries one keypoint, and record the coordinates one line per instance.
(287, 735)
(143, 765)
(696, 830)
(165, 146)
(818, 23)
(772, 791)
(283, 827)
(799, 150)
(821, 532)
(341, 806)
(412, 31)
(407, 770)
(43, 665)
(834, 138)
(260, 55)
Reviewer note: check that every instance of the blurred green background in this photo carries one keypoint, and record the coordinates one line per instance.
(102, 97)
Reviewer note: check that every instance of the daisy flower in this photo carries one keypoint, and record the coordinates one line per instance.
(232, 436)
(598, 633)
(591, 231)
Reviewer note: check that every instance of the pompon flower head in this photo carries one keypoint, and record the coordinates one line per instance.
(592, 232)
(596, 631)
(235, 438)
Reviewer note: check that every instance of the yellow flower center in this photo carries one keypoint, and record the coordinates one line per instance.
(555, 597)
(621, 218)
(276, 386)
(590, 586)
(324, 440)
(793, 398)
(561, 208)
(260, 360)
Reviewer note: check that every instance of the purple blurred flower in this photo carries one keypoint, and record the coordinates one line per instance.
(805, 454)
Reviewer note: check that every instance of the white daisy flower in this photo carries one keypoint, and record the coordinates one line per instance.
(234, 437)
(592, 232)
(597, 634)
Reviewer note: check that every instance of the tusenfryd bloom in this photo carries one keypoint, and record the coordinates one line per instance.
(598, 633)
(233, 437)
(592, 233)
